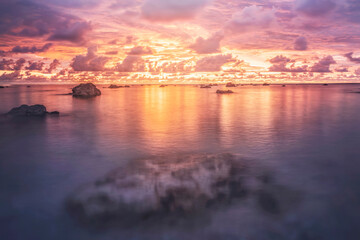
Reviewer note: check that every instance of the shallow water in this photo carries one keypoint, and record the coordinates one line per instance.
(304, 138)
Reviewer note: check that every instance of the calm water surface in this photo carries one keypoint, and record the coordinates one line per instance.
(305, 138)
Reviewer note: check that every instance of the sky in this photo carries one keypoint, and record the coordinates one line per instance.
(187, 41)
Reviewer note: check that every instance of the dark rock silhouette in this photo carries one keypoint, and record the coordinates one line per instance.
(163, 86)
(113, 86)
(86, 90)
(230, 84)
(31, 111)
(205, 86)
(224, 91)
(2, 87)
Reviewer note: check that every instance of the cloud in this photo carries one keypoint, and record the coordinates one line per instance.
(351, 58)
(315, 8)
(9, 64)
(35, 66)
(90, 61)
(323, 65)
(210, 45)
(131, 63)
(139, 50)
(212, 63)
(252, 18)
(19, 64)
(280, 64)
(171, 10)
(53, 65)
(27, 18)
(342, 69)
(112, 53)
(76, 33)
(19, 49)
(301, 44)
(357, 71)
(11, 76)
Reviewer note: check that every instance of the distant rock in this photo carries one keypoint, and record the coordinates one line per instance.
(126, 86)
(230, 84)
(2, 87)
(113, 86)
(30, 111)
(86, 90)
(205, 86)
(224, 91)
(163, 86)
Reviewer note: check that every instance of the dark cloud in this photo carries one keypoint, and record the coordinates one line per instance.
(212, 63)
(301, 44)
(323, 65)
(205, 46)
(28, 18)
(90, 61)
(35, 66)
(6, 64)
(315, 8)
(171, 10)
(19, 64)
(53, 65)
(19, 49)
(351, 58)
(76, 33)
(9, 64)
(342, 69)
(11, 76)
(139, 50)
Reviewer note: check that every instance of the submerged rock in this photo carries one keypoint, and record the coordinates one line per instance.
(86, 90)
(224, 91)
(159, 186)
(29, 111)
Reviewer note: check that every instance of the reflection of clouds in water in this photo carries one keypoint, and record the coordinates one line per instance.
(168, 186)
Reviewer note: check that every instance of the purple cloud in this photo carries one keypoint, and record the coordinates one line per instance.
(351, 58)
(212, 63)
(19, 49)
(301, 44)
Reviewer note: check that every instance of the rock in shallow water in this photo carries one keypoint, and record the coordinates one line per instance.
(86, 90)
(159, 186)
(30, 111)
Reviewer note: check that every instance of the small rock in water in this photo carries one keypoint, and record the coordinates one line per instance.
(115, 86)
(30, 111)
(86, 90)
(224, 91)
(2, 87)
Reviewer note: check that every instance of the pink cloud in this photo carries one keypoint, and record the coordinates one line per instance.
(171, 10)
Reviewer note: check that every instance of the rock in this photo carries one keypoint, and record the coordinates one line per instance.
(159, 187)
(224, 91)
(28, 86)
(86, 90)
(31, 111)
(163, 86)
(115, 86)
(2, 87)
(55, 113)
(230, 84)
(126, 86)
(205, 86)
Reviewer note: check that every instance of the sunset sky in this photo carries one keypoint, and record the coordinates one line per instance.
(186, 41)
